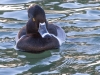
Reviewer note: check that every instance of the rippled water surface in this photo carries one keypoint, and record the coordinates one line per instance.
(79, 55)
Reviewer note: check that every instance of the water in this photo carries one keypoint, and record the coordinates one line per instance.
(79, 55)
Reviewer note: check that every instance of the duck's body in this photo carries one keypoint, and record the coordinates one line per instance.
(38, 35)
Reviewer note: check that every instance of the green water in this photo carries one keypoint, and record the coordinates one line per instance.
(79, 55)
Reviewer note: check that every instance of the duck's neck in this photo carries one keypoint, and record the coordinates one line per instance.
(31, 27)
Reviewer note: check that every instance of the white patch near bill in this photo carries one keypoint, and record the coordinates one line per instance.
(42, 23)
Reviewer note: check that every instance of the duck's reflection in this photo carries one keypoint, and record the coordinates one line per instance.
(24, 63)
(40, 62)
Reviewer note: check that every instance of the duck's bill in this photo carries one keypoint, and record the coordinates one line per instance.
(42, 29)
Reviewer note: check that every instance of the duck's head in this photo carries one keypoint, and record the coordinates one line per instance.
(37, 15)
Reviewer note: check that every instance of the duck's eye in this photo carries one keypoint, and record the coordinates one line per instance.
(33, 19)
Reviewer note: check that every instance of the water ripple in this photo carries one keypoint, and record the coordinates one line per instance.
(79, 55)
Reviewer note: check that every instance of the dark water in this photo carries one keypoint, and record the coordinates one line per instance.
(79, 55)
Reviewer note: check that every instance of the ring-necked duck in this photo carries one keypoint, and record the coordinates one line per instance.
(38, 35)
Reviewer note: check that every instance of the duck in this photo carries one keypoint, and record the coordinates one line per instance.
(38, 35)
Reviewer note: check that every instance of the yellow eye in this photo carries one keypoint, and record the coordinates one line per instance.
(33, 19)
